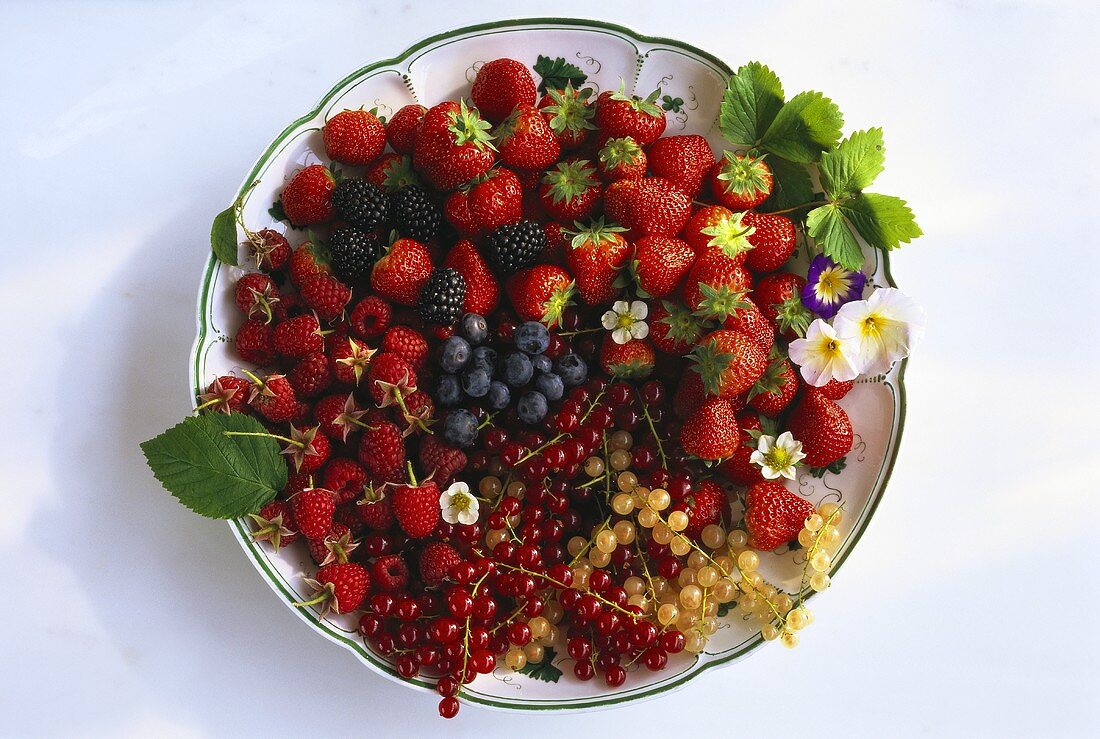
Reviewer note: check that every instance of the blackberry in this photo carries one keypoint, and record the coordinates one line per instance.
(512, 247)
(354, 252)
(442, 296)
(361, 203)
(414, 213)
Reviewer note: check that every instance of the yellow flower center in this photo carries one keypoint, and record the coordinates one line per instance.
(626, 320)
(830, 284)
(778, 458)
(460, 501)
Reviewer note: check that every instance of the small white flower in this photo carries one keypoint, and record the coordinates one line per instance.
(777, 457)
(458, 505)
(824, 355)
(881, 329)
(626, 321)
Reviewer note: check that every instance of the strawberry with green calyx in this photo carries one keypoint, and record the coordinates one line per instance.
(740, 181)
(354, 137)
(307, 197)
(416, 506)
(595, 255)
(340, 587)
(619, 114)
(779, 297)
(621, 159)
(482, 290)
(402, 271)
(657, 208)
(773, 240)
(711, 432)
(774, 515)
(729, 362)
(569, 114)
(275, 524)
(502, 85)
(570, 190)
(633, 360)
(541, 293)
(712, 223)
(453, 145)
(673, 328)
(659, 264)
(392, 172)
(729, 305)
(738, 467)
(526, 140)
(721, 274)
(684, 160)
(776, 388)
(402, 126)
(823, 428)
(310, 259)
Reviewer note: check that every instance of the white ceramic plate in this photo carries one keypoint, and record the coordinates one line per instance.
(441, 68)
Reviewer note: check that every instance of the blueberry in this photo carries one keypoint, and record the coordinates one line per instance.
(474, 328)
(531, 407)
(517, 369)
(571, 369)
(550, 385)
(542, 363)
(486, 358)
(454, 353)
(475, 381)
(532, 337)
(499, 396)
(460, 428)
(448, 391)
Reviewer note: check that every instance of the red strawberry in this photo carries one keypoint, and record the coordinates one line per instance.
(833, 389)
(689, 395)
(711, 432)
(269, 249)
(342, 587)
(275, 523)
(673, 328)
(354, 137)
(773, 241)
(436, 562)
(496, 200)
(254, 294)
(621, 159)
(226, 394)
(390, 574)
(255, 342)
(416, 507)
(526, 141)
(307, 198)
(740, 182)
(714, 229)
(392, 172)
(408, 344)
(716, 285)
(541, 293)
(440, 461)
(659, 263)
(775, 389)
(683, 160)
(453, 145)
(401, 127)
(823, 428)
(729, 362)
(658, 208)
(335, 547)
(751, 322)
(500, 86)
(774, 515)
(370, 317)
(338, 415)
(308, 449)
(569, 114)
(382, 451)
(738, 467)
(345, 478)
(307, 261)
(296, 337)
(570, 191)
(313, 510)
(779, 297)
(274, 399)
(349, 359)
(630, 361)
(401, 273)
(456, 209)
(482, 290)
(707, 505)
(595, 256)
(616, 201)
(618, 114)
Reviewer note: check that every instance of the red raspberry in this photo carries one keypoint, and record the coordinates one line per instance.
(326, 295)
(310, 450)
(354, 137)
(416, 508)
(436, 562)
(296, 337)
(289, 305)
(348, 515)
(382, 451)
(255, 294)
(275, 399)
(377, 513)
(390, 573)
(338, 415)
(269, 249)
(344, 585)
(255, 342)
(346, 478)
(226, 394)
(296, 482)
(419, 411)
(439, 460)
(275, 523)
(314, 509)
(349, 359)
(408, 344)
(371, 317)
(392, 379)
(311, 376)
(401, 128)
(335, 547)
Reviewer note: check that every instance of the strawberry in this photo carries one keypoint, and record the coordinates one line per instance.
(269, 250)
(325, 295)
(436, 562)
(595, 256)
(779, 297)
(689, 395)
(390, 574)
(392, 172)
(773, 515)
(570, 191)
(370, 317)
(338, 415)
(456, 209)
(453, 145)
(711, 432)
(354, 137)
(737, 467)
(773, 241)
(345, 478)
(673, 328)
(309, 260)
(401, 273)
(482, 289)
(729, 362)
(254, 295)
(254, 342)
(382, 451)
(683, 160)
(349, 359)
(408, 344)
(440, 461)
(706, 505)
(416, 507)
(496, 200)
(823, 428)
(274, 399)
(776, 388)
(526, 140)
(307, 449)
(630, 361)
(307, 198)
(226, 394)
(313, 510)
(716, 285)
(659, 263)
(402, 126)
(833, 389)
(658, 208)
(541, 293)
(740, 182)
(502, 85)
(618, 115)
(621, 159)
(335, 547)
(275, 523)
(296, 337)
(616, 201)
(715, 228)
(569, 114)
(341, 587)
(751, 322)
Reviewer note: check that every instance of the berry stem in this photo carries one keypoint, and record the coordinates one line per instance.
(812, 550)
(655, 435)
(412, 475)
(292, 442)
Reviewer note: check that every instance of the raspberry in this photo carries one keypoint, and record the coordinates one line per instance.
(349, 359)
(382, 451)
(371, 317)
(311, 376)
(348, 514)
(296, 337)
(338, 415)
(334, 547)
(436, 562)
(345, 478)
(326, 295)
(310, 450)
(255, 342)
(408, 344)
(439, 460)
(377, 514)
(255, 294)
(269, 249)
(416, 508)
(296, 482)
(343, 587)
(390, 574)
(275, 523)
(392, 378)
(275, 399)
(226, 394)
(314, 509)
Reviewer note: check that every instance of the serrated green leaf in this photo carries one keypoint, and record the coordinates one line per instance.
(854, 164)
(223, 236)
(883, 221)
(827, 227)
(215, 475)
(806, 125)
(791, 184)
(557, 73)
(753, 97)
(545, 670)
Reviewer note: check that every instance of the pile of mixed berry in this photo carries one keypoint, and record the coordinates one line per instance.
(528, 365)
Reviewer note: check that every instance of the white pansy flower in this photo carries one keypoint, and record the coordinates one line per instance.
(881, 329)
(458, 505)
(777, 457)
(626, 321)
(824, 355)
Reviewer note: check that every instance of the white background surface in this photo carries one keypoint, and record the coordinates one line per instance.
(970, 607)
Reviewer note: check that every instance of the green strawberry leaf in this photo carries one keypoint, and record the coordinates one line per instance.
(216, 475)
(752, 99)
(854, 164)
(884, 221)
(544, 670)
(806, 125)
(829, 229)
(791, 185)
(557, 73)
(835, 468)
(223, 236)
